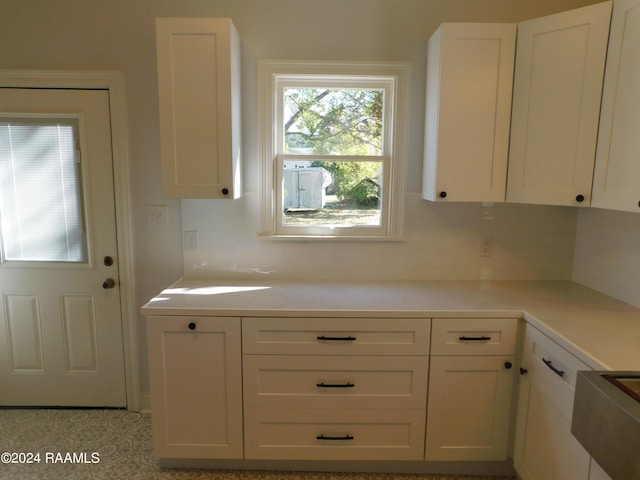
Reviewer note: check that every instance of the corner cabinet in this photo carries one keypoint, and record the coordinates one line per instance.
(199, 100)
(557, 91)
(469, 83)
(617, 168)
(545, 449)
(196, 386)
(470, 389)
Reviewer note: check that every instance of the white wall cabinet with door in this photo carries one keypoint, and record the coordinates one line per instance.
(470, 389)
(545, 449)
(196, 386)
(469, 83)
(199, 100)
(617, 166)
(556, 105)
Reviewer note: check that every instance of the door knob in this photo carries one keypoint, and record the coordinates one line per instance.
(109, 283)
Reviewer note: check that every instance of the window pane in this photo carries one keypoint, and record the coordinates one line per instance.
(40, 199)
(331, 194)
(327, 121)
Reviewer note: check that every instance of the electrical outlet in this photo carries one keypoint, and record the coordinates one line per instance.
(157, 215)
(486, 246)
(190, 240)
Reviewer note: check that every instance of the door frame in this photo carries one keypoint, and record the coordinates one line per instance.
(113, 81)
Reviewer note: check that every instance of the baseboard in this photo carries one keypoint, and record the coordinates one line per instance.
(145, 402)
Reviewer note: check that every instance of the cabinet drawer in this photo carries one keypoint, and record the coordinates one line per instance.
(553, 370)
(335, 336)
(473, 336)
(335, 382)
(334, 434)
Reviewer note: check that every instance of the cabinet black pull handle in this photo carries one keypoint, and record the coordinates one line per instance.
(548, 363)
(523, 371)
(443, 194)
(579, 198)
(225, 191)
(329, 437)
(508, 365)
(192, 326)
(324, 338)
(474, 339)
(335, 385)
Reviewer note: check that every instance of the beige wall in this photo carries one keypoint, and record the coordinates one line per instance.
(442, 240)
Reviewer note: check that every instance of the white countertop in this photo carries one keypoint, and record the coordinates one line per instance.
(601, 331)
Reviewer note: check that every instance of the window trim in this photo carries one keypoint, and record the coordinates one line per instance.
(274, 74)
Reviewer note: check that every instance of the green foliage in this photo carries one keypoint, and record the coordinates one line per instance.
(334, 121)
(338, 122)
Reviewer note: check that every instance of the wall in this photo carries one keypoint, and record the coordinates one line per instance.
(442, 240)
(607, 255)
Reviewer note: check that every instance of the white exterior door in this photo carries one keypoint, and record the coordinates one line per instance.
(60, 318)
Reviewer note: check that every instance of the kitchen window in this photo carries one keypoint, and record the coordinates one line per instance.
(334, 149)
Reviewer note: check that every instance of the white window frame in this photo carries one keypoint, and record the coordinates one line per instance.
(394, 79)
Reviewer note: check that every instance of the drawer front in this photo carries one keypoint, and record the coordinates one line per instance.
(335, 336)
(271, 381)
(552, 369)
(473, 336)
(295, 434)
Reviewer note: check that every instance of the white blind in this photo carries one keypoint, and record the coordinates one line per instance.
(40, 191)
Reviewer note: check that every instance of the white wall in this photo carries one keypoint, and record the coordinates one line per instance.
(442, 240)
(607, 255)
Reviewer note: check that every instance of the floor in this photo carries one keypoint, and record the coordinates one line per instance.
(116, 445)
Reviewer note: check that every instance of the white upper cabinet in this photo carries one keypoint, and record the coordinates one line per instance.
(199, 99)
(469, 84)
(556, 105)
(616, 181)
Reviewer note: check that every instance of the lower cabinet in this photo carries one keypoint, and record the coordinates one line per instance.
(545, 449)
(335, 388)
(334, 434)
(470, 389)
(363, 389)
(196, 386)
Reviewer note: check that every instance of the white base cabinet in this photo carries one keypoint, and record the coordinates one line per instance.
(335, 388)
(470, 389)
(545, 449)
(196, 386)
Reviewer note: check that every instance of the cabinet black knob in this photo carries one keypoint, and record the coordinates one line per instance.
(225, 191)
(443, 194)
(579, 198)
(507, 365)
(192, 326)
(523, 371)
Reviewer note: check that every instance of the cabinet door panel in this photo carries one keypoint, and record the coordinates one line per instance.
(556, 104)
(198, 85)
(335, 382)
(548, 450)
(196, 387)
(352, 434)
(469, 84)
(469, 408)
(617, 167)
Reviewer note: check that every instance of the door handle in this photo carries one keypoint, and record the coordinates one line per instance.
(109, 283)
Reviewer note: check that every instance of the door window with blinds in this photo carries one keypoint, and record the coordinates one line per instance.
(41, 209)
